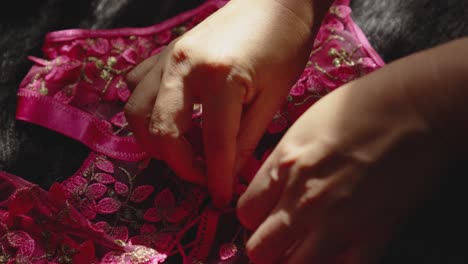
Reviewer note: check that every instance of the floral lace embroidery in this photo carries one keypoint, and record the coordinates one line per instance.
(120, 207)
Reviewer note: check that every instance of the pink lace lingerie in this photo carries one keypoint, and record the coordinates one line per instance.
(120, 206)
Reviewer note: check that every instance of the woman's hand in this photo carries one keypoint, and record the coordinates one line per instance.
(239, 64)
(351, 168)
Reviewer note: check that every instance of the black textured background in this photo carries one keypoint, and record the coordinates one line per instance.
(436, 234)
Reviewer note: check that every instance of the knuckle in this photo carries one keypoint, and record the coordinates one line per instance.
(155, 130)
(304, 167)
(156, 120)
(180, 51)
(226, 70)
(159, 127)
(310, 183)
(228, 76)
(324, 187)
(312, 195)
(284, 220)
(288, 155)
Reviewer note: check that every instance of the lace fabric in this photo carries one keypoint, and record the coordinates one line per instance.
(120, 206)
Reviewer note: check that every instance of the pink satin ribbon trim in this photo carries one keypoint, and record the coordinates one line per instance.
(70, 34)
(206, 233)
(366, 46)
(76, 124)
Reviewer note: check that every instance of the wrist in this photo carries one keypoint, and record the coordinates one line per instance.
(309, 12)
(302, 9)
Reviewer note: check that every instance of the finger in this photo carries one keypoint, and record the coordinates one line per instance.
(329, 242)
(287, 232)
(140, 105)
(333, 249)
(263, 193)
(170, 119)
(180, 157)
(136, 75)
(304, 253)
(295, 214)
(307, 208)
(316, 250)
(273, 239)
(253, 125)
(279, 235)
(221, 118)
(366, 249)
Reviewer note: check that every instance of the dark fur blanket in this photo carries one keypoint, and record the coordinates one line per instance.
(394, 27)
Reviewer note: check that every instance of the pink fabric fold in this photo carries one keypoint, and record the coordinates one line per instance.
(76, 124)
(120, 206)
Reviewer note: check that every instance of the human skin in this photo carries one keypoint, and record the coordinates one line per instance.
(357, 162)
(240, 64)
(345, 174)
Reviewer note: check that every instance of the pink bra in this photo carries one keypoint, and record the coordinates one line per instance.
(120, 206)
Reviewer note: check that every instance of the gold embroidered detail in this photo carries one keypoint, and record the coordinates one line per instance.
(43, 90)
(330, 38)
(117, 48)
(34, 80)
(120, 242)
(68, 90)
(178, 31)
(107, 70)
(305, 100)
(4, 259)
(120, 84)
(142, 254)
(340, 57)
(334, 11)
(322, 70)
(139, 254)
(65, 259)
